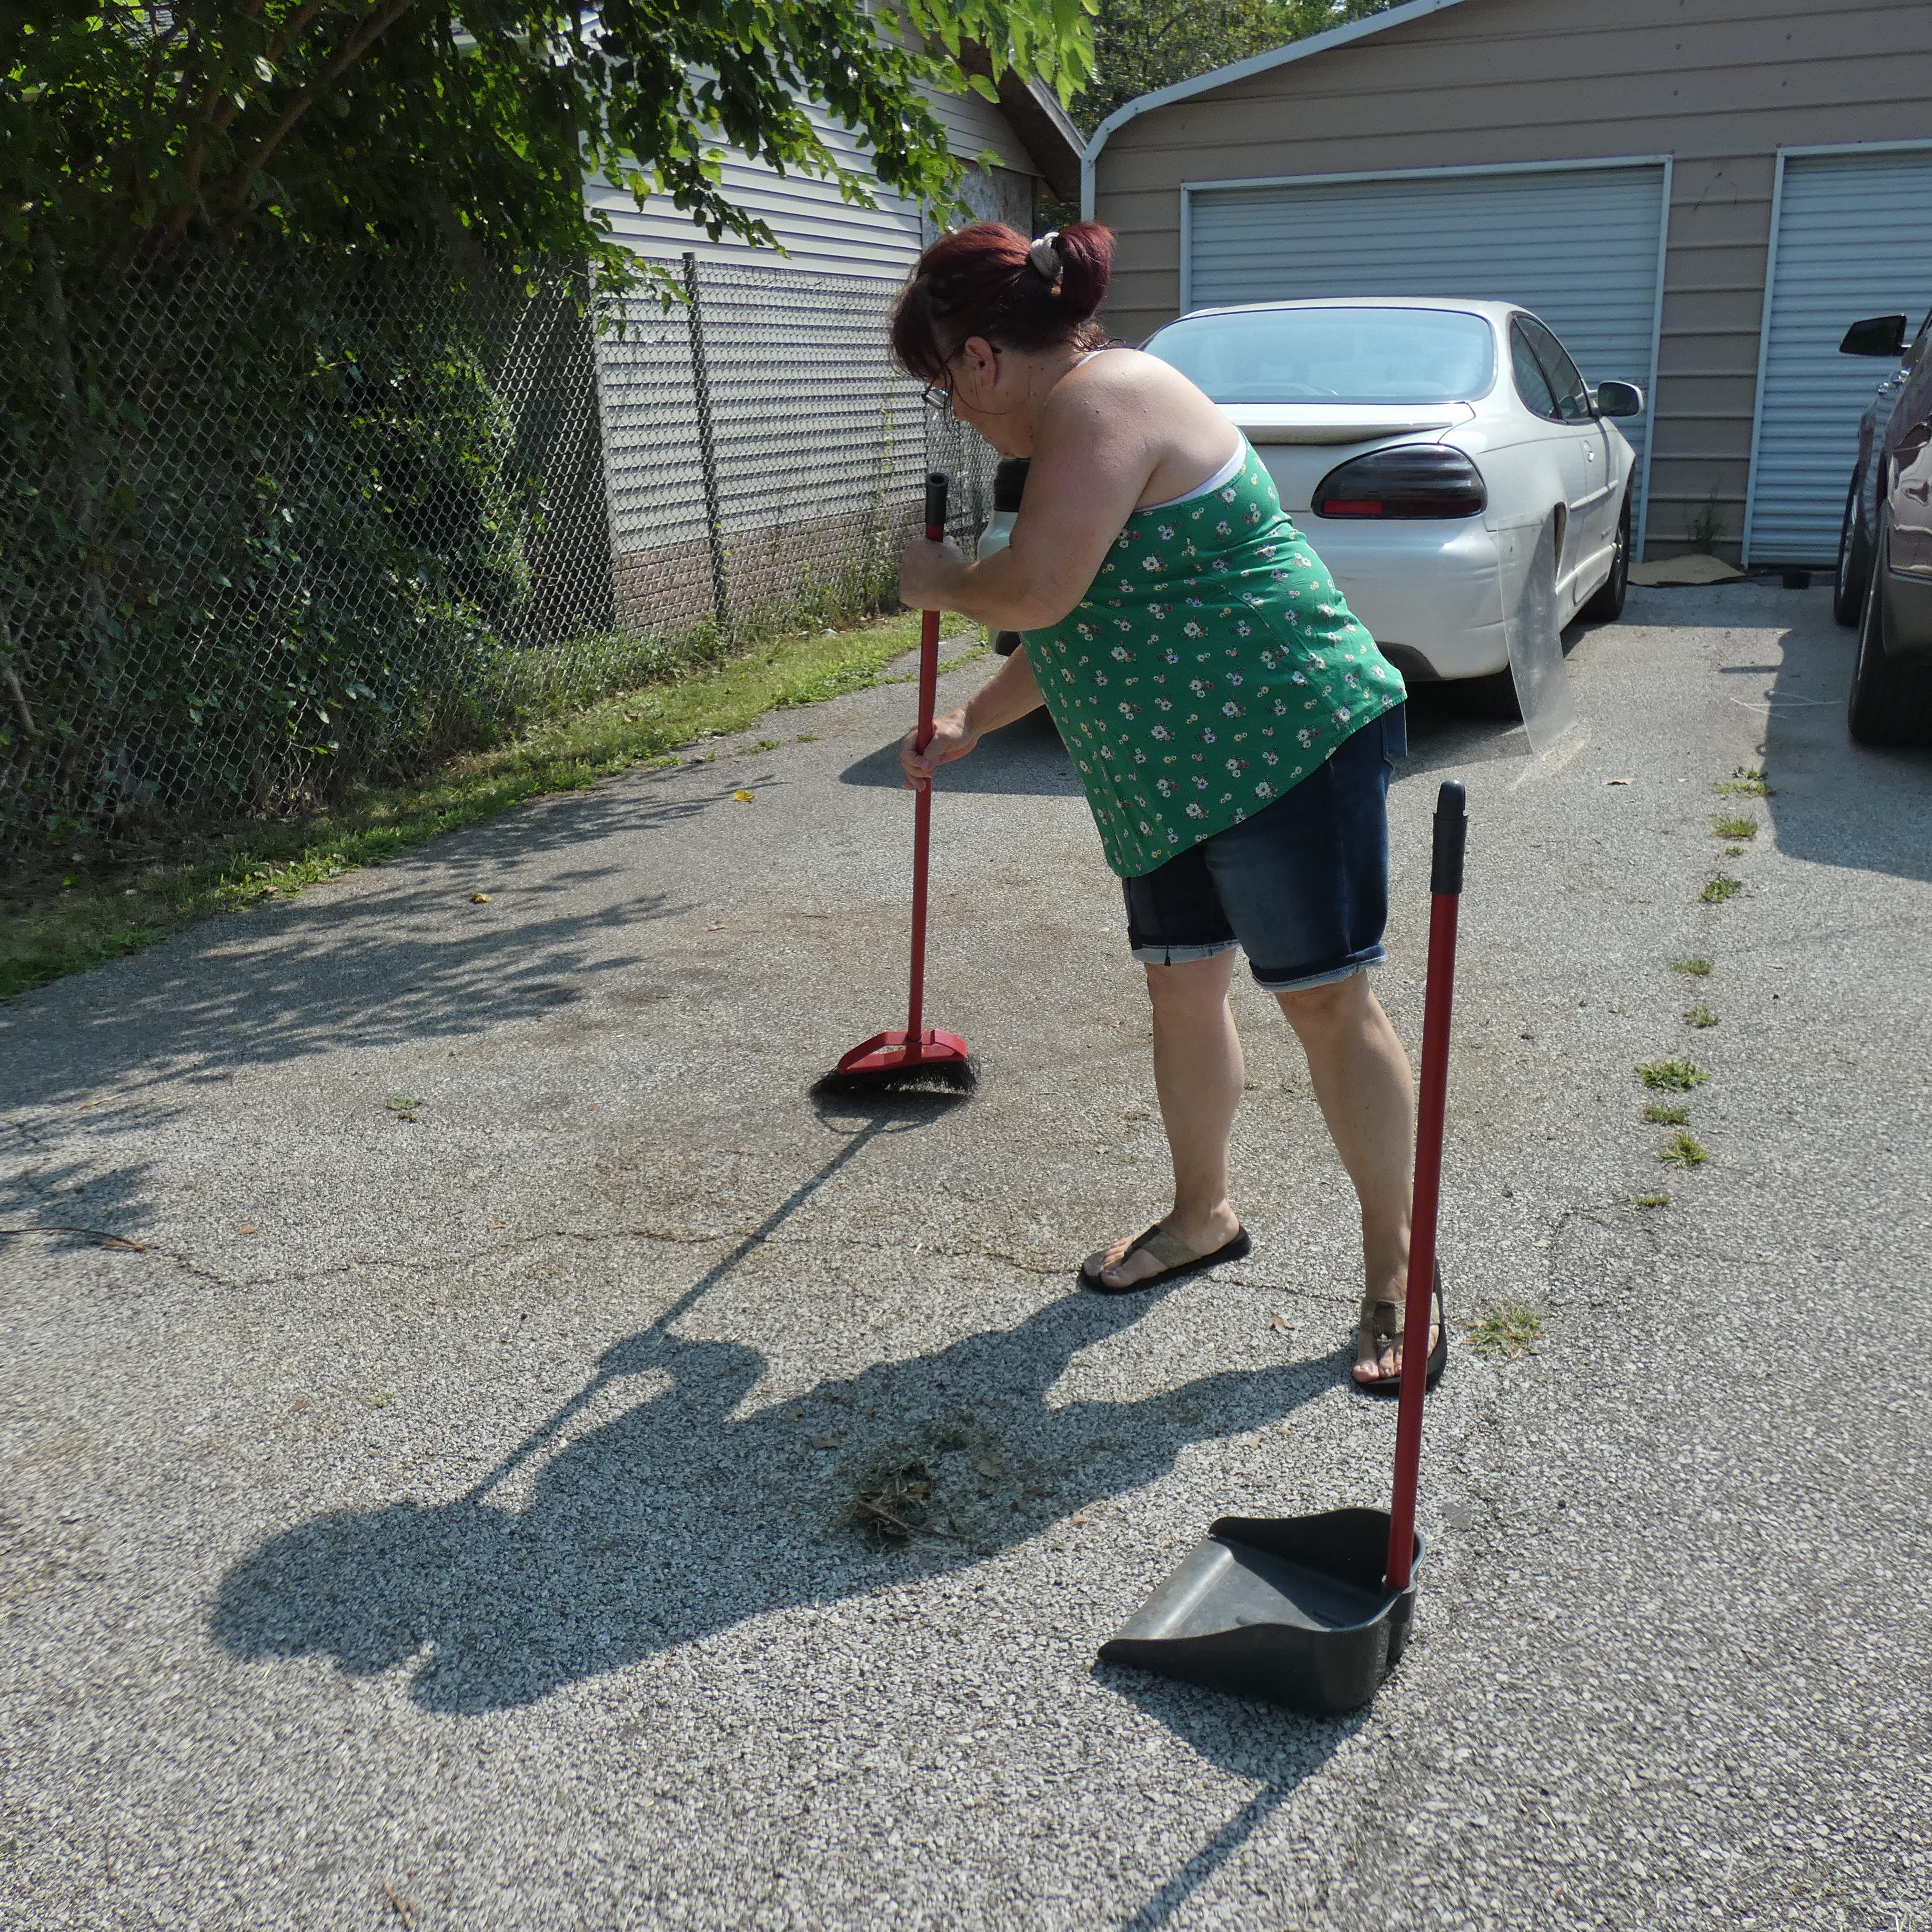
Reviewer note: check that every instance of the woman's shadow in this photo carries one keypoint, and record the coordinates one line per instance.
(675, 1520)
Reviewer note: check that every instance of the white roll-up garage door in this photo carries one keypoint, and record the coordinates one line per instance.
(1580, 246)
(1854, 238)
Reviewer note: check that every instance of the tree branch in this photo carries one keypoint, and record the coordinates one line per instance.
(194, 153)
(372, 30)
(157, 58)
(296, 21)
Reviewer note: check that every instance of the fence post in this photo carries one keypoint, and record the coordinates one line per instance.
(706, 454)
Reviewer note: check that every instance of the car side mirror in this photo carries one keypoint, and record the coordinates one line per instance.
(1618, 399)
(1877, 335)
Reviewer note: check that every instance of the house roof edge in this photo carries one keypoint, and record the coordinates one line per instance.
(1223, 76)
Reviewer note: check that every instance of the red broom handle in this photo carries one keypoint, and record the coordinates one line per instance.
(921, 820)
(1445, 887)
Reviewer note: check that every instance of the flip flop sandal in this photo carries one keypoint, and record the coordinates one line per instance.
(1381, 1319)
(1179, 1257)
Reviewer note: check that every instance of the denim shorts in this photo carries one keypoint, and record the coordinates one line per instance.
(1302, 888)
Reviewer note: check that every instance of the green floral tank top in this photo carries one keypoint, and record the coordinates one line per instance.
(1211, 666)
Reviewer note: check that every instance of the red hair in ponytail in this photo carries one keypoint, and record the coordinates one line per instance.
(989, 280)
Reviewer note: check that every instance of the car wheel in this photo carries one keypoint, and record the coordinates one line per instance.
(1891, 701)
(1848, 586)
(1607, 605)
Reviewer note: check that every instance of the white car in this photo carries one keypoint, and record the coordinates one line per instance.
(1425, 448)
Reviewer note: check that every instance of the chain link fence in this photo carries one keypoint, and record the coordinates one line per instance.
(268, 536)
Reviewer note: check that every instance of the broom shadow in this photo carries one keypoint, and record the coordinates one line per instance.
(679, 1518)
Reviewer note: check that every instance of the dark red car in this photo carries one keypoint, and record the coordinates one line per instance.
(1884, 584)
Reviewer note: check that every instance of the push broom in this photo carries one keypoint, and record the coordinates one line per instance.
(919, 1056)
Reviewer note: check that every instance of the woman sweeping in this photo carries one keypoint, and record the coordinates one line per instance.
(1234, 726)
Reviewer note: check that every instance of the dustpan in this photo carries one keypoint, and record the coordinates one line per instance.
(1313, 1612)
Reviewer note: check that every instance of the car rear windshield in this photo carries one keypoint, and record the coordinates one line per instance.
(1334, 354)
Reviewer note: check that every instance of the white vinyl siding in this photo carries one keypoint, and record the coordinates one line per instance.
(1581, 247)
(974, 126)
(820, 230)
(1853, 239)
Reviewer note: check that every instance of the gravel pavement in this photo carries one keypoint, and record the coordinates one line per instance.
(444, 1348)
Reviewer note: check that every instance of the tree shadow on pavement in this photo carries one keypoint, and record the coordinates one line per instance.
(680, 1518)
(408, 959)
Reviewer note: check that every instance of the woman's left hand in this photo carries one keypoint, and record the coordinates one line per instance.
(928, 572)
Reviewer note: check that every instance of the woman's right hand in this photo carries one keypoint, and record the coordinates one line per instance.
(953, 738)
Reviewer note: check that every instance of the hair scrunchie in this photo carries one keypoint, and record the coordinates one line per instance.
(1046, 257)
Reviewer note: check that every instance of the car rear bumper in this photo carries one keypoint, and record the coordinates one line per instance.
(1434, 589)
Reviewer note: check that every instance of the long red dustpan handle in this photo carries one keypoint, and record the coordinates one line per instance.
(922, 822)
(1445, 890)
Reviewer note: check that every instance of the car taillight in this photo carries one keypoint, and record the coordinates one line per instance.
(1414, 479)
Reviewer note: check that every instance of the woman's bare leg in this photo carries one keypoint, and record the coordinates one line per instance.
(1197, 1073)
(1361, 1080)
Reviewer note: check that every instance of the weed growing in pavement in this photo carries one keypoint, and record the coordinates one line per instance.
(1653, 1200)
(1747, 781)
(1682, 1150)
(765, 745)
(1721, 888)
(1699, 1016)
(1507, 1329)
(1734, 851)
(1673, 1076)
(403, 1106)
(1698, 969)
(1659, 1115)
(1735, 828)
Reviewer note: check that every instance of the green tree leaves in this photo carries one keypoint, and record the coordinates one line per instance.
(1142, 45)
(354, 123)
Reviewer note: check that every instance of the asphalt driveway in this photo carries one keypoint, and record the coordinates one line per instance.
(445, 1349)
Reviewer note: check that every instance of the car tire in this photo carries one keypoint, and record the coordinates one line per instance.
(1891, 701)
(1607, 605)
(1848, 585)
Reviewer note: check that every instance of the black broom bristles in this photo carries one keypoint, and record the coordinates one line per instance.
(941, 1076)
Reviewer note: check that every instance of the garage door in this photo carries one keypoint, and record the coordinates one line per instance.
(1580, 246)
(1854, 238)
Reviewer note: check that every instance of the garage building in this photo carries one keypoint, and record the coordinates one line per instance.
(1697, 195)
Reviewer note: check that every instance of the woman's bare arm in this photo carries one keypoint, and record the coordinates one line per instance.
(1105, 436)
(1012, 693)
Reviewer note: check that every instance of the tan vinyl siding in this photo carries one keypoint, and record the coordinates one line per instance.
(1718, 84)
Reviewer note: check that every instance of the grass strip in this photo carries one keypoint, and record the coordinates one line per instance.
(69, 929)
